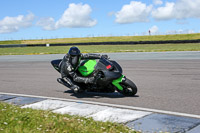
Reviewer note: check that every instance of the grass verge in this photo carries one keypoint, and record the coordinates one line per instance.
(102, 49)
(17, 120)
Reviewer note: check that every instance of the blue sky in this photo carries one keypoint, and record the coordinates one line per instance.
(44, 19)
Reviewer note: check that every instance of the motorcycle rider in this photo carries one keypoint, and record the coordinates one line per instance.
(69, 65)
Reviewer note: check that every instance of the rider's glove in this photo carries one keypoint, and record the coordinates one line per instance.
(104, 56)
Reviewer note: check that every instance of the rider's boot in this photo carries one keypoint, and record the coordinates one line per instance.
(68, 83)
(75, 88)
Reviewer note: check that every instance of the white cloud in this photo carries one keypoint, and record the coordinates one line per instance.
(76, 15)
(182, 9)
(47, 23)
(154, 29)
(164, 13)
(180, 31)
(158, 2)
(14, 24)
(187, 9)
(134, 12)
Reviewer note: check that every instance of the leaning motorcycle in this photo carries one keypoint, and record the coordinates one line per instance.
(108, 75)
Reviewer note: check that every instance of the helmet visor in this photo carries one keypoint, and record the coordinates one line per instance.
(75, 60)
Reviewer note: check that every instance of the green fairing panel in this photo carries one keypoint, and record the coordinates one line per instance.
(87, 67)
(117, 81)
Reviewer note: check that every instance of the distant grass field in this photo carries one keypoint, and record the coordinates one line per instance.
(107, 39)
(11, 42)
(102, 49)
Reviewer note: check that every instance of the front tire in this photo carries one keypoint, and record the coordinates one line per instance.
(129, 88)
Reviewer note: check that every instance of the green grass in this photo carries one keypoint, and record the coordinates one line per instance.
(11, 42)
(102, 49)
(107, 39)
(13, 119)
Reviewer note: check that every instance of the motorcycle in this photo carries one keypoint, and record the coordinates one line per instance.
(108, 75)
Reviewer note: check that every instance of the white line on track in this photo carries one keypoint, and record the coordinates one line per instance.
(111, 105)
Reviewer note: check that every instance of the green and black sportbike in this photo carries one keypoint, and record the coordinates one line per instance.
(108, 75)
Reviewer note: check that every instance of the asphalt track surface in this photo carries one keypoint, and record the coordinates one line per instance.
(167, 81)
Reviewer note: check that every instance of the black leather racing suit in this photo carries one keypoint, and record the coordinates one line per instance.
(68, 72)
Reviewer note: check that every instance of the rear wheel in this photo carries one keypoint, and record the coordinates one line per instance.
(129, 88)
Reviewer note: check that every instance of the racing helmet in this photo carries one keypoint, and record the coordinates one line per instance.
(75, 55)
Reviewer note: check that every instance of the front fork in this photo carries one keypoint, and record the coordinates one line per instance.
(119, 80)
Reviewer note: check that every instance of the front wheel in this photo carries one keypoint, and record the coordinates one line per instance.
(129, 88)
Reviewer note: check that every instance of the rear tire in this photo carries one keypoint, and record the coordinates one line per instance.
(129, 88)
